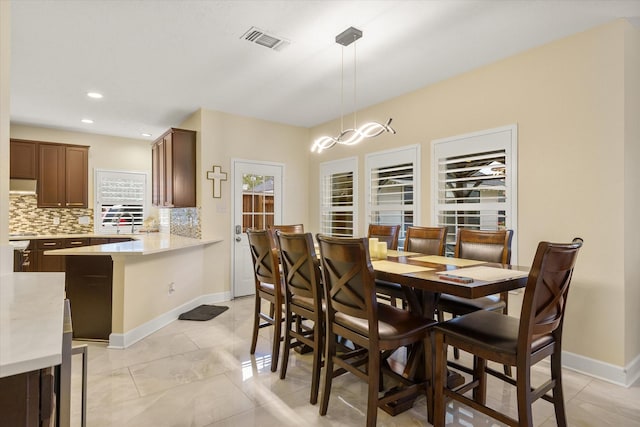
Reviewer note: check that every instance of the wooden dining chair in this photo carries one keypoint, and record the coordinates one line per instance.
(303, 300)
(269, 287)
(388, 234)
(522, 342)
(489, 246)
(285, 228)
(353, 313)
(424, 240)
(385, 233)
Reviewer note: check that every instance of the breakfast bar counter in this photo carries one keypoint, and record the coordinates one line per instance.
(31, 321)
(122, 292)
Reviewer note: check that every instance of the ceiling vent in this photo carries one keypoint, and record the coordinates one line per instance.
(271, 41)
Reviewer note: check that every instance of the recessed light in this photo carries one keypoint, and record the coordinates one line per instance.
(94, 95)
(88, 121)
(145, 134)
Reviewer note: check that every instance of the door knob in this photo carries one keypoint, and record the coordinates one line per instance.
(238, 238)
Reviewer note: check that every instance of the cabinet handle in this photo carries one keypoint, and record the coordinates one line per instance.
(49, 244)
(75, 243)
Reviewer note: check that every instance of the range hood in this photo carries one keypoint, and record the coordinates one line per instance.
(22, 186)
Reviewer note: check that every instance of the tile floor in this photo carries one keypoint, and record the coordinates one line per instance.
(201, 374)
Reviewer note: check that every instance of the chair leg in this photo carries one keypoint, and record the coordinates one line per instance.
(558, 394)
(287, 344)
(277, 332)
(439, 381)
(429, 366)
(374, 381)
(317, 361)
(256, 324)
(523, 384)
(329, 352)
(479, 373)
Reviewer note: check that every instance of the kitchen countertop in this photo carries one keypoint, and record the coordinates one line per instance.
(143, 244)
(31, 321)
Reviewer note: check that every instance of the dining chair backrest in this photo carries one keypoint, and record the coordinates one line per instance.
(348, 278)
(545, 296)
(385, 233)
(489, 246)
(285, 228)
(300, 266)
(265, 258)
(425, 240)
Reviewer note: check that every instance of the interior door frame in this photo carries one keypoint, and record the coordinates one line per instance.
(235, 162)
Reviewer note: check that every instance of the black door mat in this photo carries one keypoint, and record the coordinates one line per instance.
(203, 312)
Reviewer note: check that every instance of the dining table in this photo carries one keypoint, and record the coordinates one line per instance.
(423, 279)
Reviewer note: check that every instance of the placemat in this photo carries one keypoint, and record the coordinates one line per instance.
(489, 273)
(397, 268)
(393, 253)
(458, 262)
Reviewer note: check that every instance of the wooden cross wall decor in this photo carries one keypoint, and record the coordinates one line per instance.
(217, 176)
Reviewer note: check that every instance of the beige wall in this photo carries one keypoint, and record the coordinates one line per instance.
(632, 192)
(5, 60)
(568, 100)
(105, 152)
(223, 137)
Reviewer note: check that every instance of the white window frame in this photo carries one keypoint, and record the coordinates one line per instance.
(327, 169)
(500, 138)
(386, 158)
(97, 203)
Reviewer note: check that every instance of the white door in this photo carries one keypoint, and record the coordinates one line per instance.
(257, 203)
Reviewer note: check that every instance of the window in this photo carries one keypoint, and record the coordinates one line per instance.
(392, 188)
(257, 201)
(338, 197)
(120, 200)
(474, 182)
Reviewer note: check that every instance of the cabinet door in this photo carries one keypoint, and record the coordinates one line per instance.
(183, 160)
(155, 181)
(48, 263)
(161, 173)
(51, 169)
(76, 176)
(23, 160)
(168, 170)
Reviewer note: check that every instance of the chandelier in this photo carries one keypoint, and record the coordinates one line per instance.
(355, 134)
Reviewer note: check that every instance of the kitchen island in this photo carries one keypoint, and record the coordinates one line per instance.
(31, 344)
(153, 278)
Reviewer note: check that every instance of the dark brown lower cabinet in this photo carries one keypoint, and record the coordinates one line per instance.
(27, 400)
(89, 286)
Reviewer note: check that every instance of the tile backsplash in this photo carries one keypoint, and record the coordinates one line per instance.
(26, 216)
(185, 222)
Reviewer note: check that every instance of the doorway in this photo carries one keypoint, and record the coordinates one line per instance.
(257, 203)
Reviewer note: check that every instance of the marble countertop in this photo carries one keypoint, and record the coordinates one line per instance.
(31, 321)
(143, 244)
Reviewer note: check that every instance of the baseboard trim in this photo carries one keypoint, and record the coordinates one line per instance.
(624, 376)
(121, 341)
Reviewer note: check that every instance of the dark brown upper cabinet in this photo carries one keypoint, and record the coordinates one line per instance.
(23, 163)
(174, 169)
(62, 176)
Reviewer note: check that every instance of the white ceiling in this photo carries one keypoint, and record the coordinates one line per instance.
(156, 62)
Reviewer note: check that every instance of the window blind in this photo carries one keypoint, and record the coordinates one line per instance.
(474, 180)
(338, 198)
(120, 200)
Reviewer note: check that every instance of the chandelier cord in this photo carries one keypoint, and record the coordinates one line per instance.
(342, 92)
(355, 126)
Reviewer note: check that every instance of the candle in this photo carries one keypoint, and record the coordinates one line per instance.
(381, 250)
(373, 247)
